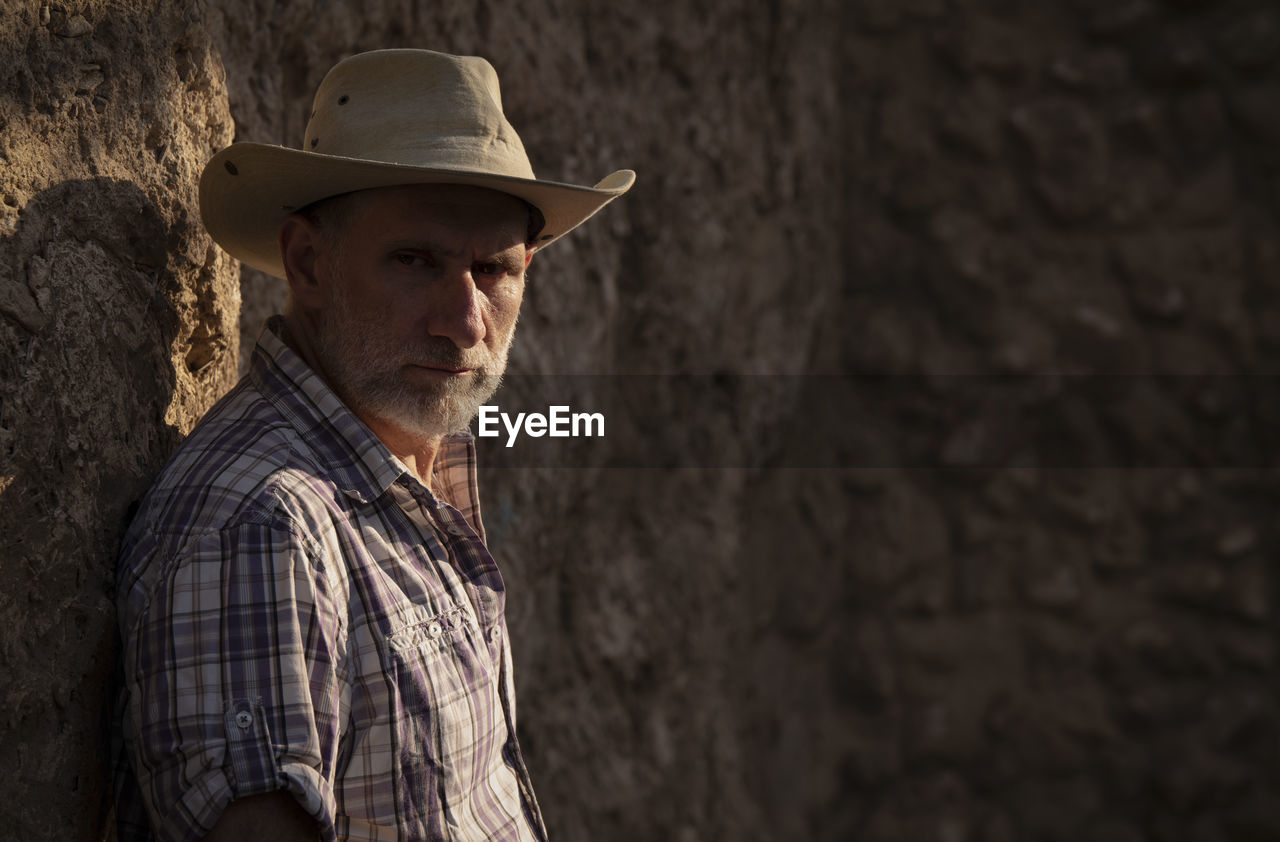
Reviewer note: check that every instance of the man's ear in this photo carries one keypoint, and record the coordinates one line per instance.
(528, 255)
(299, 248)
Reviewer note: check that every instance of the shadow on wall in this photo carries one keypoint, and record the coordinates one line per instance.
(90, 306)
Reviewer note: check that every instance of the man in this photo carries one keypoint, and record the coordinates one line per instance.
(314, 635)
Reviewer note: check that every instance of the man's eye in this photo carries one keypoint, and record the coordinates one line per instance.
(490, 269)
(412, 260)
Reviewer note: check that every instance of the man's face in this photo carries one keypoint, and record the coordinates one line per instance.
(424, 288)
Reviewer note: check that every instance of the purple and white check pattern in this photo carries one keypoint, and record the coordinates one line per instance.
(298, 611)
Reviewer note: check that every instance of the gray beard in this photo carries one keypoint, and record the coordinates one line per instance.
(367, 372)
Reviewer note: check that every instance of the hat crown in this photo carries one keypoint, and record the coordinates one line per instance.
(418, 108)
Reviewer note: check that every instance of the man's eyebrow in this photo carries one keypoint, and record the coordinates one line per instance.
(507, 260)
(419, 244)
(506, 255)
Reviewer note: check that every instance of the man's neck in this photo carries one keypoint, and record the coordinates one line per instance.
(415, 451)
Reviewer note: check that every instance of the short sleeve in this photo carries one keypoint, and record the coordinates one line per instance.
(233, 670)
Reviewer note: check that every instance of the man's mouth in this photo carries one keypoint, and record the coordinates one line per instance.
(442, 369)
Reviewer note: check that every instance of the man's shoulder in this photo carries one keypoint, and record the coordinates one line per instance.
(244, 460)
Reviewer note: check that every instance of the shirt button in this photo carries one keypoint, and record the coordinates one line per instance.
(244, 719)
(495, 634)
(455, 530)
(435, 630)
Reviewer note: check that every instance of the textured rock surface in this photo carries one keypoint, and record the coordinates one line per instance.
(1018, 639)
(117, 329)
(1067, 649)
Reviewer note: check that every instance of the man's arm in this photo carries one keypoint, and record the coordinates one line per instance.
(272, 815)
(245, 629)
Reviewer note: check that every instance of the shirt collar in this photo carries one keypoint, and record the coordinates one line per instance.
(357, 460)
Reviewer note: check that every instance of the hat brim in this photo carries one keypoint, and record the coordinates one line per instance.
(248, 189)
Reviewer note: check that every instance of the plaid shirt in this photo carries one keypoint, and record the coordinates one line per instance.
(300, 612)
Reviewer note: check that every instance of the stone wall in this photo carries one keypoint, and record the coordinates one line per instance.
(117, 329)
(1063, 625)
(1023, 592)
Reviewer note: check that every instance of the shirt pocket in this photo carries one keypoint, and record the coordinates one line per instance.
(445, 689)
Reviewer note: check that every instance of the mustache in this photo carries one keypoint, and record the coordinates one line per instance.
(443, 353)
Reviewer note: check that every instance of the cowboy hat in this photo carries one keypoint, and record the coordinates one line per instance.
(379, 119)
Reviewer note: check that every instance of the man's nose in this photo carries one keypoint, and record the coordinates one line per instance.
(456, 309)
